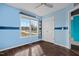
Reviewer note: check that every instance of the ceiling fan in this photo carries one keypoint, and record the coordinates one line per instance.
(45, 4)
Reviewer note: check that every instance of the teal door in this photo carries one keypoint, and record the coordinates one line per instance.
(75, 28)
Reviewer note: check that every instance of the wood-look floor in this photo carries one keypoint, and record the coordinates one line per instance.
(40, 48)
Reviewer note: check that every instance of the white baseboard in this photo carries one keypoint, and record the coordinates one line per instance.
(58, 44)
(62, 45)
(30, 43)
(15, 46)
(47, 41)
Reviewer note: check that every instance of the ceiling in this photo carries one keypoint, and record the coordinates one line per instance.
(42, 10)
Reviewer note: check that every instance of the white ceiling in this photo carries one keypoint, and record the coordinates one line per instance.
(42, 10)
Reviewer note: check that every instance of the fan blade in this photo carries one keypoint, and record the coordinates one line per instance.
(49, 5)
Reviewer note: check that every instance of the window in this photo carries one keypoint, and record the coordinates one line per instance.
(28, 26)
(34, 27)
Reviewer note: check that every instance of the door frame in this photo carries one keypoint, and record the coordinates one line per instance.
(69, 23)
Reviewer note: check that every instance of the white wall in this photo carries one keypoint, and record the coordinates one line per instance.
(61, 20)
(48, 29)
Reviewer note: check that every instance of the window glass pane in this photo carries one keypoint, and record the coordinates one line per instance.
(25, 27)
(28, 26)
(34, 27)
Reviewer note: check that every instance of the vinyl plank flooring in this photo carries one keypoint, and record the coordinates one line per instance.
(40, 48)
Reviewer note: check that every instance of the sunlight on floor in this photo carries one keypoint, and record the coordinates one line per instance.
(32, 51)
(37, 51)
(23, 53)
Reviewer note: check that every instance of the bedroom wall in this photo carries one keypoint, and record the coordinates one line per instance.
(9, 16)
(61, 20)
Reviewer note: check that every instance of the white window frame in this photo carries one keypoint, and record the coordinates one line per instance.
(30, 35)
